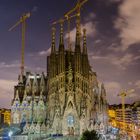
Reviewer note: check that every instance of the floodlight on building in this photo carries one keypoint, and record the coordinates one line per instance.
(10, 133)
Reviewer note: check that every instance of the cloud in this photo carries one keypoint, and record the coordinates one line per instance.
(9, 70)
(45, 52)
(99, 57)
(98, 41)
(35, 9)
(113, 88)
(132, 95)
(14, 64)
(124, 61)
(130, 83)
(114, 47)
(88, 25)
(90, 17)
(121, 62)
(137, 84)
(41, 53)
(6, 92)
(128, 23)
(90, 31)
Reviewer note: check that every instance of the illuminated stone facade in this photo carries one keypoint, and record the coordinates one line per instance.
(5, 116)
(29, 103)
(68, 100)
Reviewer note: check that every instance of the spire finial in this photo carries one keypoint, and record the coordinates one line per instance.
(61, 32)
(61, 41)
(84, 35)
(78, 26)
(84, 42)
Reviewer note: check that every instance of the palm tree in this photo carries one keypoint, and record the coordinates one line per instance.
(90, 135)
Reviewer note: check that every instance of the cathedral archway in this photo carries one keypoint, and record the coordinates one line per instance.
(70, 124)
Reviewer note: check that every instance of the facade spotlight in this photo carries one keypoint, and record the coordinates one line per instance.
(10, 133)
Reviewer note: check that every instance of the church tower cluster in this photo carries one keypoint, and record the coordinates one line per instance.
(29, 103)
(68, 100)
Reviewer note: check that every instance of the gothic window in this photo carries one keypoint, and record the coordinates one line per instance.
(70, 120)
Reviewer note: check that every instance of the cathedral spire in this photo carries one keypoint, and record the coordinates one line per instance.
(28, 85)
(84, 42)
(85, 63)
(20, 78)
(17, 96)
(42, 83)
(78, 35)
(25, 95)
(61, 54)
(61, 41)
(53, 55)
(61, 33)
(35, 85)
(53, 40)
(41, 96)
(103, 92)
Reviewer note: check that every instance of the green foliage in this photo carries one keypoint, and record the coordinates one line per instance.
(90, 135)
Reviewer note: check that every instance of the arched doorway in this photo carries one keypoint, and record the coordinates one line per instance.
(70, 124)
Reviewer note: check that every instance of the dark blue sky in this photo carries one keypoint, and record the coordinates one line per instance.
(113, 41)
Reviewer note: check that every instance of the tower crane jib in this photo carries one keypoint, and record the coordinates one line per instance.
(74, 12)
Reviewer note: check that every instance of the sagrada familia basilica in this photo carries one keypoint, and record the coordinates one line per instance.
(68, 99)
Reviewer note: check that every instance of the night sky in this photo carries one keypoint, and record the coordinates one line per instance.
(113, 41)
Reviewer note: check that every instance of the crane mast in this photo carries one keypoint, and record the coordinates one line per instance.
(22, 21)
(123, 95)
(78, 8)
(23, 45)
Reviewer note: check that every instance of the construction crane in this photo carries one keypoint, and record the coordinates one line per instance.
(123, 95)
(68, 14)
(61, 21)
(68, 17)
(22, 21)
(74, 12)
